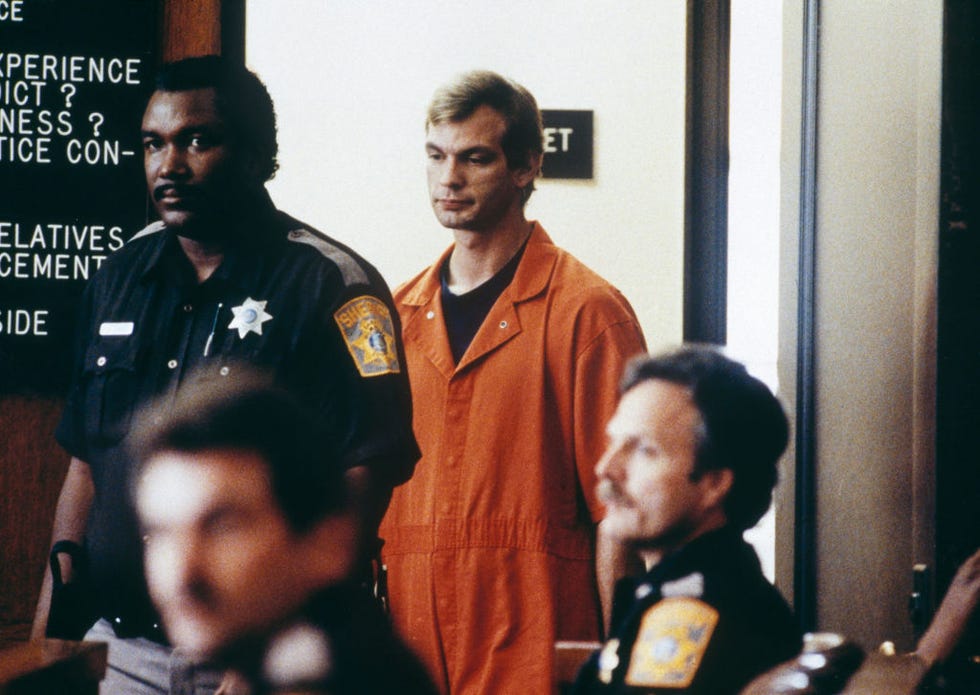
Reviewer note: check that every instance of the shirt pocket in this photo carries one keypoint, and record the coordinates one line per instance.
(112, 389)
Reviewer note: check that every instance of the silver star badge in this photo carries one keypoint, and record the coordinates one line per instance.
(249, 317)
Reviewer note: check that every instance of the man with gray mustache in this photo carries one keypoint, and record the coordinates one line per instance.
(690, 464)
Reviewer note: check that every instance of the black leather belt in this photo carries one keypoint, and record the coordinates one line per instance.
(127, 628)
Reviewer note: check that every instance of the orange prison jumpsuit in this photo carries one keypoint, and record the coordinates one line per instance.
(490, 545)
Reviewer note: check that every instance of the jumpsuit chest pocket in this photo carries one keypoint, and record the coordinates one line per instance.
(111, 389)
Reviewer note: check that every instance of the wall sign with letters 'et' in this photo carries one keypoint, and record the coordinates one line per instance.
(567, 144)
(73, 82)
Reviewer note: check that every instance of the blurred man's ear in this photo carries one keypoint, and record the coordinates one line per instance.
(331, 547)
(716, 483)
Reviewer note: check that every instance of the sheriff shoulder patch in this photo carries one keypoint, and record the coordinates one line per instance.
(366, 325)
(671, 642)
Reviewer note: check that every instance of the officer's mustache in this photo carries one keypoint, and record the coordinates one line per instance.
(166, 189)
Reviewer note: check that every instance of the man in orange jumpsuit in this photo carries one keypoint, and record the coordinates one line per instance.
(514, 350)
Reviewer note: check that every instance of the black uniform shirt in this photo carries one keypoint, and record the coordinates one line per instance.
(341, 644)
(705, 618)
(287, 299)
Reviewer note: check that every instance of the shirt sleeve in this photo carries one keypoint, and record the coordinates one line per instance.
(352, 367)
(598, 370)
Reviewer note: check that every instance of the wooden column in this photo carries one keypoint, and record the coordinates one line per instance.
(189, 28)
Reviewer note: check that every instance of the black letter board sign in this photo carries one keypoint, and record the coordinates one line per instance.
(74, 76)
(567, 144)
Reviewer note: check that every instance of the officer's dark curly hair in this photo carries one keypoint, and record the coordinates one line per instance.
(743, 426)
(243, 102)
(246, 411)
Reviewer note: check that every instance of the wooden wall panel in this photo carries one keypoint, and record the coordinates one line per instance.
(189, 28)
(32, 468)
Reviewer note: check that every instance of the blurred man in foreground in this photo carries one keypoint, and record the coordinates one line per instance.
(251, 545)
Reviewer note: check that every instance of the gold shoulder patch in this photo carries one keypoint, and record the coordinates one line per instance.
(671, 642)
(366, 325)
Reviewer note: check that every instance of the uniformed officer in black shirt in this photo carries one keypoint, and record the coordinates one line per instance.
(222, 277)
(691, 464)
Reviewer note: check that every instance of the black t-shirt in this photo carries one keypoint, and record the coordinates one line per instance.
(465, 313)
(705, 613)
(287, 299)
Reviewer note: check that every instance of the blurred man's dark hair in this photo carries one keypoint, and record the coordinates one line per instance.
(246, 411)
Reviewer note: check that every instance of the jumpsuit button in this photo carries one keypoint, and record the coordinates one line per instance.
(224, 371)
(172, 364)
(188, 308)
(101, 361)
(430, 315)
(503, 324)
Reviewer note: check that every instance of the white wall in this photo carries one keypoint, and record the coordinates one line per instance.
(755, 78)
(351, 81)
(876, 231)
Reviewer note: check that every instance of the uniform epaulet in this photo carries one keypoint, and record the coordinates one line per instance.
(152, 228)
(349, 266)
(673, 637)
